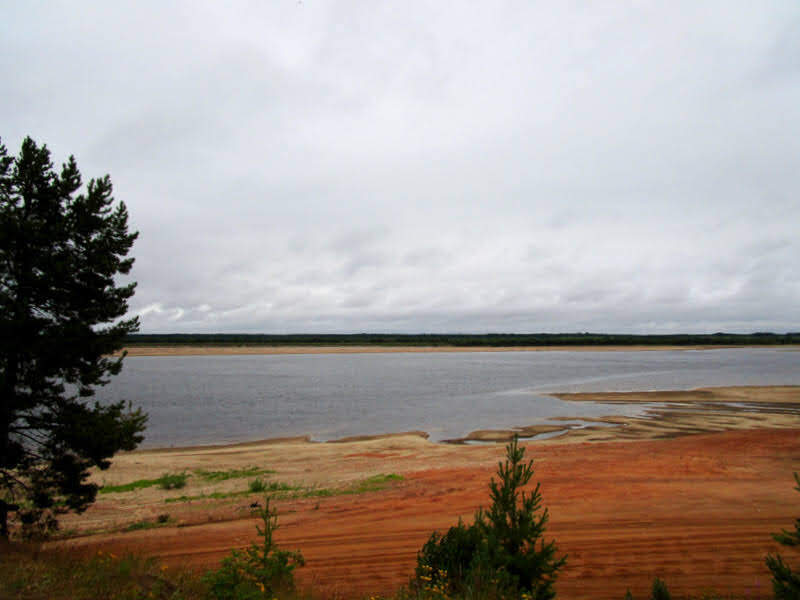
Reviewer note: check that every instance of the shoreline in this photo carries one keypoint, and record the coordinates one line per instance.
(271, 350)
(675, 412)
(612, 492)
(698, 509)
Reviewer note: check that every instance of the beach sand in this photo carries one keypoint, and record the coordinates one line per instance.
(690, 495)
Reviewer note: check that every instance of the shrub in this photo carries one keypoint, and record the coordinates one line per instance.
(259, 571)
(452, 561)
(660, 591)
(785, 582)
(257, 485)
(498, 554)
(172, 482)
(28, 573)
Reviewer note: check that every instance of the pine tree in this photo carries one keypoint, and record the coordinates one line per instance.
(515, 523)
(785, 582)
(261, 570)
(503, 552)
(60, 321)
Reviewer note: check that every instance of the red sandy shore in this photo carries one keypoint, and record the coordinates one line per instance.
(696, 511)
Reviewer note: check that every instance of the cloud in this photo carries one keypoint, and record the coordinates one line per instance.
(341, 166)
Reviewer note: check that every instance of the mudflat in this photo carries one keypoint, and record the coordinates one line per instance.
(692, 500)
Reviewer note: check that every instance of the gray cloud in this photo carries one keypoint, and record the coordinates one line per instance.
(345, 166)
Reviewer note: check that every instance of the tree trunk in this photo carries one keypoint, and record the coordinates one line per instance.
(3, 521)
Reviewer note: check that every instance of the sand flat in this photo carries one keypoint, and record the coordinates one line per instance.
(692, 496)
(696, 510)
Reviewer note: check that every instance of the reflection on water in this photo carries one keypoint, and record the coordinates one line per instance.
(217, 399)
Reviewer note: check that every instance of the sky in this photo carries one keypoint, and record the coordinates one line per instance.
(340, 167)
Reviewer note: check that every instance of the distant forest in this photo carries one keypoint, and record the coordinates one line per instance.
(486, 340)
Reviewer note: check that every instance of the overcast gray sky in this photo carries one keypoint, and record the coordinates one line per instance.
(431, 167)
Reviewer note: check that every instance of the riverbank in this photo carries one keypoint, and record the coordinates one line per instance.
(258, 350)
(689, 494)
(696, 510)
(312, 469)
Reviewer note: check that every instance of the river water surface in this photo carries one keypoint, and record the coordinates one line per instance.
(223, 399)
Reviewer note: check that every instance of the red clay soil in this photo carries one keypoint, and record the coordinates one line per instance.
(696, 511)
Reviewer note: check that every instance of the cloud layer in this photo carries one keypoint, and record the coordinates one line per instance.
(425, 167)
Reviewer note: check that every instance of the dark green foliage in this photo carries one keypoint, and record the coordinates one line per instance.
(448, 339)
(503, 552)
(60, 308)
(257, 485)
(165, 482)
(174, 481)
(785, 582)
(231, 474)
(660, 591)
(28, 574)
(514, 524)
(259, 571)
(453, 561)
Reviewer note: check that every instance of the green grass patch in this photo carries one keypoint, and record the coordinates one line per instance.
(317, 493)
(279, 489)
(370, 484)
(139, 525)
(165, 482)
(172, 482)
(274, 487)
(216, 476)
(161, 521)
(376, 482)
(128, 487)
(32, 575)
(258, 486)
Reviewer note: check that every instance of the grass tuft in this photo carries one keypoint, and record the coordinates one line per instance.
(165, 482)
(283, 490)
(29, 574)
(217, 476)
(172, 482)
(161, 521)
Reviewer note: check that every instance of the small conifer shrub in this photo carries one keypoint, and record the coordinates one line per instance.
(503, 552)
(785, 581)
(259, 571)
(659, 591)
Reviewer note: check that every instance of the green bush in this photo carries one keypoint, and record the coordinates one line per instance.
(502, 554)
(259, 571)
(785, 582)
(217, 476)
(257, 485)
(172, 481)
(30, 574)
(451, 562)
(660, 591)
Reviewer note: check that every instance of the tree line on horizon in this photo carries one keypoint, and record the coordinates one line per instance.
(461, 340)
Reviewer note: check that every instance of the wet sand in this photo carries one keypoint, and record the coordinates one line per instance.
(696, 509)
(670, 414)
